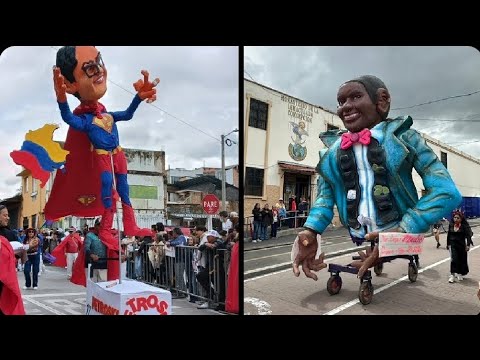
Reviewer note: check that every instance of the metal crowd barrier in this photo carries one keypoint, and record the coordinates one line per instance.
(177, 270)
(294, 220)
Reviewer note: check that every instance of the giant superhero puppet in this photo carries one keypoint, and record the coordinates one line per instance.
(85, 187)
(367, 173)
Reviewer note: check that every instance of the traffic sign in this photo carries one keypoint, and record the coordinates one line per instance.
(211, 204)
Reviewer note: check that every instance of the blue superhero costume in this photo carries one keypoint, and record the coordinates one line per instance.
(92, 139)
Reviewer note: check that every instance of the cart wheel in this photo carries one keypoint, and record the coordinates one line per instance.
(412, 272)
(334, 284)
(365, 293)
(378, 269)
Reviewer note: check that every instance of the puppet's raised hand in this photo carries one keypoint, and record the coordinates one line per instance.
(59, 85)
(307, 249)
(146, 89)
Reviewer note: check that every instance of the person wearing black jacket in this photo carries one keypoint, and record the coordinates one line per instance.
(267, 220)
(459, 240)
(257, 223)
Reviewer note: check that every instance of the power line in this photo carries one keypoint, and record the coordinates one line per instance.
(251, 77)
(434, 101)
(166, 112)
(155, 106)
(472, 120)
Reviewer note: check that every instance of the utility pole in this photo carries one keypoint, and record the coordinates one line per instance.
(224, 186)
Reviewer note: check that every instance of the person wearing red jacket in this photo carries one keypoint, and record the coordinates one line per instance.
(11, 302)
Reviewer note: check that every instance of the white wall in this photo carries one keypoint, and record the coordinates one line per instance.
(463, 168)
(281, 113)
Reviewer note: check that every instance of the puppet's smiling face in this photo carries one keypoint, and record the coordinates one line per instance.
(355, 107)
(90, 73)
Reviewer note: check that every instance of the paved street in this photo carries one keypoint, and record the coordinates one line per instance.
(58, 296)
(280, 292)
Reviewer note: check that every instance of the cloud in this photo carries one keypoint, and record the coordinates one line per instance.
(198, 86)
(413, 75)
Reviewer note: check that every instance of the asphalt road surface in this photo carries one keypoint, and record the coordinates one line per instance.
(58, 296)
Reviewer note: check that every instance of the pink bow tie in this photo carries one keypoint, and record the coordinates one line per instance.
(348, 139)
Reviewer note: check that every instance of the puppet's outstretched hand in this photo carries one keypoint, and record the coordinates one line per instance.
(307, 249)
(59, 85)
(146, 89)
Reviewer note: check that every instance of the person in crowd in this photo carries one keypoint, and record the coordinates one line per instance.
(33, 259)
(302, 211)
(179, 242)
(436, 230)
(146, 268)
(267, 220)
(226, 222)
(282, 212)
(95, 254)
(72, 244)
(273, 231)
(207, 264)
(11, 302)
(257, 223)
(459, 240)
(367, 173)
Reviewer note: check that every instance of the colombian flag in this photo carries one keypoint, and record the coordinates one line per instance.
(40, 154)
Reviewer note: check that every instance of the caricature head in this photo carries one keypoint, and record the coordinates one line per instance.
(363, 103)
(84, 71)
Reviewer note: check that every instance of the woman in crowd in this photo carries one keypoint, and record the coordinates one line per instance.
(459, 240)
(33, 259)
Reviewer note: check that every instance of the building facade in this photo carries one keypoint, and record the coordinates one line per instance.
(180, 174)
(185, 207)
(282, 145)
(282, 150)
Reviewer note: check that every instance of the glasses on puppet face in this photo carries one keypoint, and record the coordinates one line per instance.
(31, 232)
(92, 68)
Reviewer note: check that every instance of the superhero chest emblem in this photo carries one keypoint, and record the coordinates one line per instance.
(106, 122)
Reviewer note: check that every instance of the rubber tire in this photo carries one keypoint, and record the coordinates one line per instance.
(412, 272)
(334, 284)
(365, 293)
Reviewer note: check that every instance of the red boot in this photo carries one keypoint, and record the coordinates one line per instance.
(130, 227)
(105, 232)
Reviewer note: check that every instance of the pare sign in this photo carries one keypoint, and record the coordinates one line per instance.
(211, 204)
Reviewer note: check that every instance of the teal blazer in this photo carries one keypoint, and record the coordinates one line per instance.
(405, 149)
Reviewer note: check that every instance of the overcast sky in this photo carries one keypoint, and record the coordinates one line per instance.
(413, 75)
(198, 85)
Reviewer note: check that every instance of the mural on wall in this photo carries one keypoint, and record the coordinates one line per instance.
(297, 151)
(302, 113)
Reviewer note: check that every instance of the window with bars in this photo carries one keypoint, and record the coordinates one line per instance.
(258, 114)
(254, 181)
(443, 156)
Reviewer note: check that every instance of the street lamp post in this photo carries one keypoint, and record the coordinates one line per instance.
(224, 189)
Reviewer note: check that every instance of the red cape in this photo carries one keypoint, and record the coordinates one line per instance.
(113, 270)
(11, 302)
(59, 252)
(77, 190)
(232, 301)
